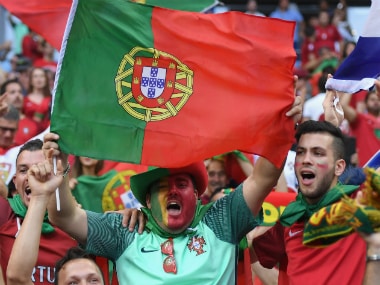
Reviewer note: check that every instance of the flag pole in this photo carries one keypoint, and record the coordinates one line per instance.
(56, 190)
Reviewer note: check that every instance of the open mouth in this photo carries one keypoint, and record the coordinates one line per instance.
(28, 191)
(173, 208)
(307, 177)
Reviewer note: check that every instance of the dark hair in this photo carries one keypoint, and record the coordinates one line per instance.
(32, 145)
(322, 82)
(11, 189)
(6, 83)
(329, 69)
(46, 88)
(309, 31)
(312, 126)
(345, 46)
(72, 254)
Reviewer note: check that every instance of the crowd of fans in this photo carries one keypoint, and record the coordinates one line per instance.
(322, 41)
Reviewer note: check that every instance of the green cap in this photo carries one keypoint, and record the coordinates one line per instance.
(140, 183)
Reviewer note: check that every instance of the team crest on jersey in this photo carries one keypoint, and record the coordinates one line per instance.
(152, 85)
(196, 244)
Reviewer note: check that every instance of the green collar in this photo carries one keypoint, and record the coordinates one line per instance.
(20, 210)
(301, 210)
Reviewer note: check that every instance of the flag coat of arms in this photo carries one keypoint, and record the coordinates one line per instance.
(162, 87)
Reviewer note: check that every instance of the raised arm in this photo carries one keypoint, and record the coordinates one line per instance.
(259, 184)
(349, 112)
(26, 247)
(332, 108)
(372, 273)
(70, 218)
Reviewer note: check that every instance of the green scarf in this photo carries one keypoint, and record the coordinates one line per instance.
(301, 210)
(20, 210)
(152, 225)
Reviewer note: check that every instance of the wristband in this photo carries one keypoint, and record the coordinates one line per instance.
(373, 257)
(66, 171)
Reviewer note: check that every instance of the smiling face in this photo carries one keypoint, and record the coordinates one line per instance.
(172, 201)
(24, 161)
(316, 167)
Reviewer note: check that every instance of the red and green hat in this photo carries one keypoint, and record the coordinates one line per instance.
(140, 183)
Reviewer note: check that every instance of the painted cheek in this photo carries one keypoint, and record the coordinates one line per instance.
(162, 198)
(159, 206)
(322, 166)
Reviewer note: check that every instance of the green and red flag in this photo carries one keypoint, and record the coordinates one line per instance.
(162, 87)
(48, 17)
(109, 191)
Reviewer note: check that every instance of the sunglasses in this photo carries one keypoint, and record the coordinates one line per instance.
(169, 264)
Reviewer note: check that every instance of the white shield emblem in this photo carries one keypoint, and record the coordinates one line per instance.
(152, 81)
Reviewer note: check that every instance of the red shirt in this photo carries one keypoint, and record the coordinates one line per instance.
(30, 48)
(326, 37)
(340, 263)
(53, 246)
(308, 48)
(30, 109)
(27, 128)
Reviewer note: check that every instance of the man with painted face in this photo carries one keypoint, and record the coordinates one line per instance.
(183, 242)
(318, 164)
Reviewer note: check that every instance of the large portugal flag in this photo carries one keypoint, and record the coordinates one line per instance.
(163, 87)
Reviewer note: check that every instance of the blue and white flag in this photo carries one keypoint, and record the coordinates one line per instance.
(361, 68)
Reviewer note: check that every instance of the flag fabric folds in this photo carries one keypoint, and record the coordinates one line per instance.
(166, 88)
(48, 17)
(108, 192)
(361, 68)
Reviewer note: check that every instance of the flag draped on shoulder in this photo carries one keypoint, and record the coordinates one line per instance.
(48, 17)
(162, 87)
(361, 68)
